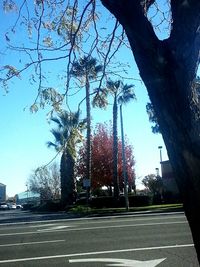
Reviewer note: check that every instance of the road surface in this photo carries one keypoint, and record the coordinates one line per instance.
(137, 241)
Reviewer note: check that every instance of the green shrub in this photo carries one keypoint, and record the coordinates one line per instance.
(140, 201)
(110, 202)
(50, 206)
(81, 201)
(102, 202)
(80, 209)
(28, 206)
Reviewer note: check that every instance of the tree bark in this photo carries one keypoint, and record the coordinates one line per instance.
(168, 69)
(67, 179)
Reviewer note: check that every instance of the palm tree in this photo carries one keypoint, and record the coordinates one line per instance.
(87, 69)
(122, 94)
(126, 96)
(67, 135)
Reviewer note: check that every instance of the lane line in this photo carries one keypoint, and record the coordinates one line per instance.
(99, 222)
(32, 243)
(54, 228)
(137, 219)
(95, 253)
(97, 218)
(95, 228)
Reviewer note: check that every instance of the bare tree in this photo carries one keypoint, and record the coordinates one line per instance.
(46, 181)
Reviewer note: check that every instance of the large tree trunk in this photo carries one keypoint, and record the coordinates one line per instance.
(168, 69)
(115, 150)
(67, 179)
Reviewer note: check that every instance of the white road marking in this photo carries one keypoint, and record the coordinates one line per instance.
(109, 221)
(42, 225)
(58, 227)
(122, 262)
(134, 219)
(136, 214)
(95, 253)
(98, 227)
(29, 226)
(32, 243)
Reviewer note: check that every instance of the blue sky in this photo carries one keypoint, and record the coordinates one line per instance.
(24, 135)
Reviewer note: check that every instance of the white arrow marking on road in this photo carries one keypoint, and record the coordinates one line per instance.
(59, 227)
(122, 262)
(40, 225)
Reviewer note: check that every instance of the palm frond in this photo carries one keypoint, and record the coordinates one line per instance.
(64, 118)
(58, 135)
(100, 101)
(75, 118)
(98, 68)
(83, 125)
(113, 86)
(127, 94)
(57, 121)
(68, 133)
(86, 66)
(152, 118)
(100, 98)
(51, 144)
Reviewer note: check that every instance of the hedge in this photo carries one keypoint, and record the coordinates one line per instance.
(110, 202)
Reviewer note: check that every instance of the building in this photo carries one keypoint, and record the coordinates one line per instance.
(2, 192)
(170, 189)
(27, 197)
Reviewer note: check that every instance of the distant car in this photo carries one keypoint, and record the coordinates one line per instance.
(18, 206)
(3, 206)
(11, 206)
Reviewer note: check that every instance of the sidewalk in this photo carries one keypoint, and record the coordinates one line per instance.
(7, 217)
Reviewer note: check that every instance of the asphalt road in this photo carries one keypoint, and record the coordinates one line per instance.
(10, 216)
(136, 241)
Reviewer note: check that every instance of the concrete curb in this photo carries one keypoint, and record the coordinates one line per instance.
(26, 217)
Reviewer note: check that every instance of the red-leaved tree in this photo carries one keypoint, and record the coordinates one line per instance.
(102, 159)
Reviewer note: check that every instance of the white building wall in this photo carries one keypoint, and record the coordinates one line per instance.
(2, 192)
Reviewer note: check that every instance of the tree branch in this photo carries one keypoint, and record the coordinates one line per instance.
(139, 32)
(146, 4)
(156, 60)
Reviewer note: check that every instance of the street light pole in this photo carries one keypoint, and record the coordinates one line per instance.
(157, 172)
(27, 193)
(124, 162)
(160, 148)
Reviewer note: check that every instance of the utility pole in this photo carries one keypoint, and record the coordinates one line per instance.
(160, 148)
(27, 193)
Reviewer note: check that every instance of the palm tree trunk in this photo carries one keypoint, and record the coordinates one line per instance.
(124, 162)
(115, 150)
(67, 179)
(88, 111)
